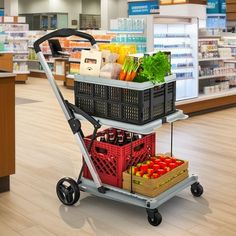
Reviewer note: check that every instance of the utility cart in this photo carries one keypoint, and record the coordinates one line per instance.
(68, 189)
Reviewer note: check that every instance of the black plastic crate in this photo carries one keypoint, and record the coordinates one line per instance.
(126, 105)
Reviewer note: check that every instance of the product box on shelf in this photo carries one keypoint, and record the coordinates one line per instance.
(111, 160)
(129, 102)
(152, 187)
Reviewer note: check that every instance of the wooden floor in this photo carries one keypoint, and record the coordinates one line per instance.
(46, 151)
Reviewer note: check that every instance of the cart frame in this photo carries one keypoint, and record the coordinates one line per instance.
(73, 115)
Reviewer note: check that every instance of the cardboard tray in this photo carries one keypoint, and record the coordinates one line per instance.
(154, 187)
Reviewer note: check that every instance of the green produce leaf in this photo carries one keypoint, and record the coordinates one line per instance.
(155, 68)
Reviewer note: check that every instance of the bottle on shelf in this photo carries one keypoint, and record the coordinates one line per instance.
(111, 136)
(128, 138)
(111, 139)
(103, 137)
(135, 137)
(120, 140)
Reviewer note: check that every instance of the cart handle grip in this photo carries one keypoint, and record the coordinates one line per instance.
(66, 32)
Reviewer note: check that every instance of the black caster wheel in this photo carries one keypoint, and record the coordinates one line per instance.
(68, 191)
(197, 189)
(154, 217)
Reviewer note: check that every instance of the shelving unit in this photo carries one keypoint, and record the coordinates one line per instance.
(229, 41)
(213, 70)
(216, 85)
(129, 31)
(17, 42)
(177, 35)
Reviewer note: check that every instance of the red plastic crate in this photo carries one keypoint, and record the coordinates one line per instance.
(111, 160)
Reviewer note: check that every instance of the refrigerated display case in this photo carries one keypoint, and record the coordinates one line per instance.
(178, 35)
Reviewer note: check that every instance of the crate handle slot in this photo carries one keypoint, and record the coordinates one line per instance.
(139, 147)
(101, 150)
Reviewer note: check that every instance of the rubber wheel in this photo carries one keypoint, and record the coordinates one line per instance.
(68, 191)
(197, 190)
(156, 219)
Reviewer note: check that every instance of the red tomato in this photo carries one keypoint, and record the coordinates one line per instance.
(146, 176)
(168, 161)
(173, 165)
(150, 171)
(150, 163)
(162, 164)
(157, 161)
(162, 158)
(161, 171)
(138, 165)
(179, 162)
(154, 176)
(139, 173)
(173, 159)
(156, 167)
(144, 168)
(153, 159)
(134, 170)
(167, 169)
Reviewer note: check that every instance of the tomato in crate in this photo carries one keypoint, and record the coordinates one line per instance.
(110, 160)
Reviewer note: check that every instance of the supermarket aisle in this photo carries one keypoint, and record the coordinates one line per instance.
(46, 151)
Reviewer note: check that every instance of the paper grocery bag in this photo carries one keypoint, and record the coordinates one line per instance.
(90, 63)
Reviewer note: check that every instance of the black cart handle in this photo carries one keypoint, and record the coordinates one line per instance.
(66, 32)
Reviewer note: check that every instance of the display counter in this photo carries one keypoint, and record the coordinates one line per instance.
(7, 129)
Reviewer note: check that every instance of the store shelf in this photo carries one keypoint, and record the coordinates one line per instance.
(227, 46)
(209, 37)
(216, 76)
(126, 31)
(52, 62)
(204, 97)
(21, 72)
(17, 32)
(97, 40)
(37, 71)
(185, 78)
(20, 60)
(174, 48)
(18, 39)
(215, 59)
(6, 52)
(80, 47)
(21, 52)
(136, 43)
(184, 57)
(156, 36)
(182, 68)
(74, 60)
(230, 61)
(70, 76)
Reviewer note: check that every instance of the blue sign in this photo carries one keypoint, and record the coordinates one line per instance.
(222, 6)
(216, 7)
(1, 12)
(213, 7)
(143, 8)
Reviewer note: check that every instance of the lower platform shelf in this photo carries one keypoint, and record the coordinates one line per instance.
(121, 195)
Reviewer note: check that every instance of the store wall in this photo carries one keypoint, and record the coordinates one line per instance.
(1, 3)
(72, 7)
(123, 8)
(91, 7)
(112, 9)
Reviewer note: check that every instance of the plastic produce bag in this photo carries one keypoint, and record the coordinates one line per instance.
(110, 69)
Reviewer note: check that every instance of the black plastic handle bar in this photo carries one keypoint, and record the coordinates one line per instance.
(66, 32)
